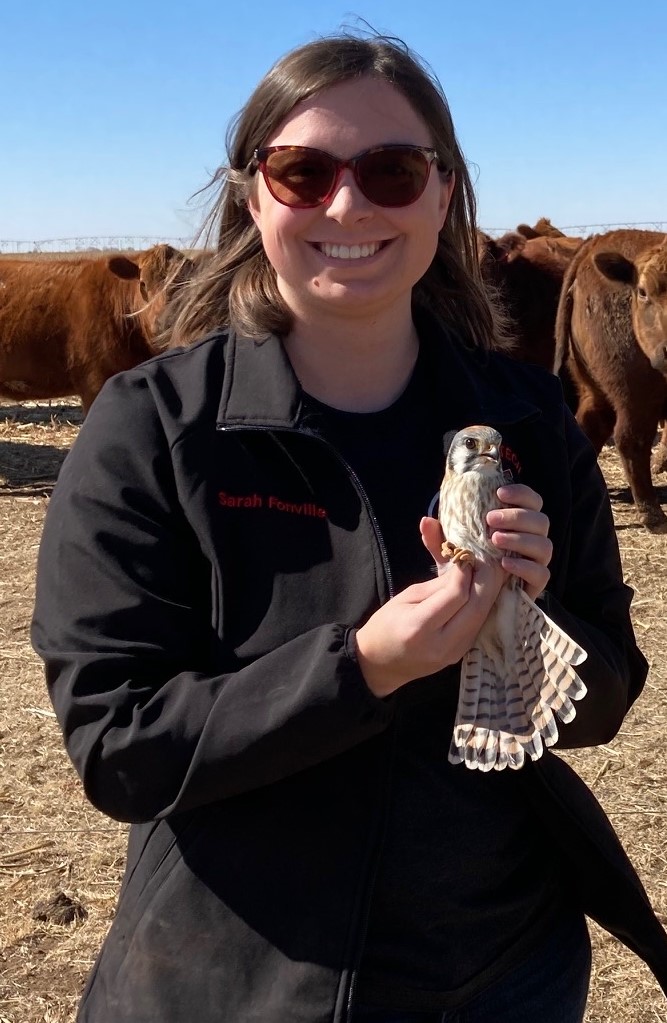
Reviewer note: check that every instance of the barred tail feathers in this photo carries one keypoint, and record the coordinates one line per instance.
(482, 737)
(558, 654)
(502, 720)
(466, 711)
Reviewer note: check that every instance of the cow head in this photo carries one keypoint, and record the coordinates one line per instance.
(646, 278)
(495, 253)
(158, 271)
(507, 248)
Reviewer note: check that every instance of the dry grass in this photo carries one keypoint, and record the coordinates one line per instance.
(53, 841)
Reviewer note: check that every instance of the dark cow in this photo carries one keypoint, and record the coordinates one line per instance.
(67, 325)
(528, 275)
(611, 333)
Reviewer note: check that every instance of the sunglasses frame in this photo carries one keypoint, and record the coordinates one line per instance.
(260, 157)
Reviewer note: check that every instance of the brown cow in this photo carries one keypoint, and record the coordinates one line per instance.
(645, 277)
(68, 325)
(528, 275)
(612, 319)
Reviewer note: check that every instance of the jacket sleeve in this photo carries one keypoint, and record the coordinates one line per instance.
(150, 727)
(593, 604)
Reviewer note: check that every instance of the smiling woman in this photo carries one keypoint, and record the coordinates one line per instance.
(253, 640)
(408, 145)
(337, 251)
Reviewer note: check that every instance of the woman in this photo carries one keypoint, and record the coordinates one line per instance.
(246, 646)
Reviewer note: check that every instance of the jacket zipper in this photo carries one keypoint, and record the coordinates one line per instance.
(362, 923)
(370, 887)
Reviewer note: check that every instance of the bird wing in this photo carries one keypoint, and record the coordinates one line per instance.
(507, 710)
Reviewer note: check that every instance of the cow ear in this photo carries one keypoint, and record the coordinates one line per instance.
(615, 267)
(516, 245)
(123, 267)
(512, 244)
(527, 231)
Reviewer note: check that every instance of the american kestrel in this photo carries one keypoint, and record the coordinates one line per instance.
(518, 676)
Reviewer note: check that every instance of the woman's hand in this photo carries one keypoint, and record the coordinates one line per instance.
(433, 624)
(429, 625)
(521, 528)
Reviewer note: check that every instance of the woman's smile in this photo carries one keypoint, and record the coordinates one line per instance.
(363, 250)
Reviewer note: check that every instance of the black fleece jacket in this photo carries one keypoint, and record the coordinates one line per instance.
(204, 564)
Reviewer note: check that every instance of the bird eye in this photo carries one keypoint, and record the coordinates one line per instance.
(471, 444)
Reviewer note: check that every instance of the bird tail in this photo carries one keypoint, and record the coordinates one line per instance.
(502, 720)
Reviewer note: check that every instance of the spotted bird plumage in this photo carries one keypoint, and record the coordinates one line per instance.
(518, 677)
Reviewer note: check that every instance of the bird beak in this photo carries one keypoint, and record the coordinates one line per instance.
(492, 453)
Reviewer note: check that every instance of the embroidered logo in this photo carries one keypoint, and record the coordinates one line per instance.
(272, 503)
(508, 455)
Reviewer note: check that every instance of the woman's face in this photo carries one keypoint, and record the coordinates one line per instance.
(398, 243)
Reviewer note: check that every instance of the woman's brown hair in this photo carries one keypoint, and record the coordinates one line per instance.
(237, 286)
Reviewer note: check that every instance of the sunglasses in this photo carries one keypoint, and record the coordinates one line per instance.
(303, 178)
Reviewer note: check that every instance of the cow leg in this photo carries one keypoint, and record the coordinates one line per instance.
(595, 416)
(87, 395)
(659, 460)
(634, 441)
(88, 385)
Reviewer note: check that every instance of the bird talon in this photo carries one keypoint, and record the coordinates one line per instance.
(450, 552)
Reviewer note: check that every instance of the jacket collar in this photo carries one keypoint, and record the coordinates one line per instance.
(478, 389)
(260, 387)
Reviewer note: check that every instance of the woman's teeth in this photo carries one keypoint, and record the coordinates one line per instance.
(350, 251)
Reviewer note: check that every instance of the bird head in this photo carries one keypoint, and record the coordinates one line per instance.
(474, 449)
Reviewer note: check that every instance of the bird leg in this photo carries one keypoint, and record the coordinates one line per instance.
(451, 552)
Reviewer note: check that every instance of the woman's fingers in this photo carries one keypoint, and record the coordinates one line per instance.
(518, 520)
(535, 576)
(521, 529)
(432, 538)
(520, 496)
(535, 547)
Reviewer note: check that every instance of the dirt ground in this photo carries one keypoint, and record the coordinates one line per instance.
(61, 861)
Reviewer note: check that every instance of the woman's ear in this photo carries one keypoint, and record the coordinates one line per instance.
(446, 192)
(252, 200)
(253, 208)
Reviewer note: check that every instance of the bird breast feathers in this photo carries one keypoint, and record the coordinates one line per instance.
(464, 503)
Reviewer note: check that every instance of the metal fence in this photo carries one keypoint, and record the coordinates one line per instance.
(586, 229)
(93, 244)
(101, 243)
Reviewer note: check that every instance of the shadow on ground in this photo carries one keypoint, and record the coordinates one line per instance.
(29, 469)
(36, 413)
(622, 495)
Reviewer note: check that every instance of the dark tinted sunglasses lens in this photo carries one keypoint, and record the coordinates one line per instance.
(300, 177)
(393, 176)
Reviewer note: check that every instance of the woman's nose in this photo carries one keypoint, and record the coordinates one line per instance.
(348, 200)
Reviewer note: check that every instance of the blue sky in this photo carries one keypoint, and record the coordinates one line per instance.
(114, 115)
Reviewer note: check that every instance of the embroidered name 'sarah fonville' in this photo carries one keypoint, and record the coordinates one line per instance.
(273, 503)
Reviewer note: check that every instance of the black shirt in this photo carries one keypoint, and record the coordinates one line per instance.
(466, 878)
